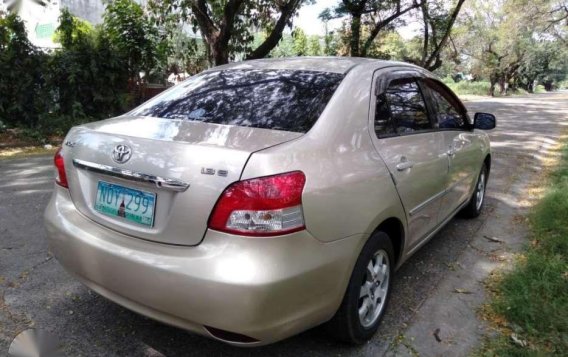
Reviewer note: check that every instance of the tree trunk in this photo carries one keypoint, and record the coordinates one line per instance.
(431, 62)
(502, 88)
(425, 44)
(355, 34)
(492, 83)
(219, 53)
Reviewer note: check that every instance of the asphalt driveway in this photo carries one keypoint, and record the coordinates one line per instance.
(36, 292)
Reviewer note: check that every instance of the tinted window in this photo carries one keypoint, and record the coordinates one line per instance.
(449, 113)
(384, 125)
(271, 99)
(401, 109)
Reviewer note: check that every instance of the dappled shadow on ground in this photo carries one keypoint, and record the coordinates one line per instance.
(90, 325)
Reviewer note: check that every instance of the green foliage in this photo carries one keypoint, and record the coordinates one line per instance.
(365, 19)
(468, 88)
(300, 42)
(22, 80)
(510, 43)
(534, 296)
(314, 47)
(88, 77)
(92, 75)
(71, 29)
(228, 28)
(136, 38)
(390, 46)
(285, 47)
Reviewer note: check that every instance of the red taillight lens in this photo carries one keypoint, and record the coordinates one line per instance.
(61, 178)
(265, 206)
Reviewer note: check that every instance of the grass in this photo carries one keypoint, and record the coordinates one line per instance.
(27, 151)
(481, 88)
(468, 88)
(531, 300)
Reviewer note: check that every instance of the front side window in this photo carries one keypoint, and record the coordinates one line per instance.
(449, 113)
(289, 100)
(401, 109)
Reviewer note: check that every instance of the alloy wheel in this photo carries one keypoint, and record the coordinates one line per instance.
(480, 191)
(374, 289)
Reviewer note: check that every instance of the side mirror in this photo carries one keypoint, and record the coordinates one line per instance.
(484, 121)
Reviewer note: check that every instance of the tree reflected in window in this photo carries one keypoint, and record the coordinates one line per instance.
(449, 113)
(407, 108)
(272, 99)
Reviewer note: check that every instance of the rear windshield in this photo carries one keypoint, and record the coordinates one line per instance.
(271, 99)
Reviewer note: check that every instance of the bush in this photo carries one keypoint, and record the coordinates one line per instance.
(468, 88)
(94, 75)
(539, 89)
(22, 83)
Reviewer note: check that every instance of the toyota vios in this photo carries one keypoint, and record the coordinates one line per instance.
(259, 199)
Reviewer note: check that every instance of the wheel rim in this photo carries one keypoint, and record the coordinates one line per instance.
(374, 289)
(480, 191)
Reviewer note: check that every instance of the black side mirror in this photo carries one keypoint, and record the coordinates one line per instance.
(484, 121)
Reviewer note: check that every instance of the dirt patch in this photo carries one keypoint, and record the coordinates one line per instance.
(26, 151)
(17, 138)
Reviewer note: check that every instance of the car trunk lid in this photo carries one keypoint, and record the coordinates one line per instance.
(184, 165)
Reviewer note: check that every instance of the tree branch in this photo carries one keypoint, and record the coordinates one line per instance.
(228, 22)
(206, 25)
(383, 23)
(425, 19)
(286, 12)
(435, 55)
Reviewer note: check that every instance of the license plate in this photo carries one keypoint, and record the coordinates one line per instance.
(127, 203)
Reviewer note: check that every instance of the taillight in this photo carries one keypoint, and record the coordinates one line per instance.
(61, 178)
(265, 206)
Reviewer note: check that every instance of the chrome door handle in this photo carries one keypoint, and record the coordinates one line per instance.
(401, 166)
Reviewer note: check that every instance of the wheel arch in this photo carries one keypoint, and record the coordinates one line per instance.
(394, 228)
(487, 162)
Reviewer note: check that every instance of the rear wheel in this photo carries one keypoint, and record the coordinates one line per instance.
(475, 205)
(367, 294)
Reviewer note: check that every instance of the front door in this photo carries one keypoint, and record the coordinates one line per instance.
(451, 120)
(414, 153)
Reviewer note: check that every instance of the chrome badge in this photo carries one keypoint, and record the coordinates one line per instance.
(210, 171)
(121, 153)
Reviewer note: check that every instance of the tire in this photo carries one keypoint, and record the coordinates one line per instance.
(475, 205)
(347, 325)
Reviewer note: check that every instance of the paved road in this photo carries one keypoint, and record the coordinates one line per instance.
(36, 291)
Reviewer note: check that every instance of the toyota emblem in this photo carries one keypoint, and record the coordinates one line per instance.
(121, 153)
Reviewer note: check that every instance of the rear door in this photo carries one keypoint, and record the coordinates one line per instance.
(413, 151)
(463, 153)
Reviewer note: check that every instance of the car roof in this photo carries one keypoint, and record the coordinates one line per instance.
(321, 64)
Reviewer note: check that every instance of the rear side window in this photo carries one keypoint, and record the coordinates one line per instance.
(287, 100)
(401, 109)
(449, 112)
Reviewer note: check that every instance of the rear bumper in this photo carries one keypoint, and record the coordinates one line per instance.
(265, 288)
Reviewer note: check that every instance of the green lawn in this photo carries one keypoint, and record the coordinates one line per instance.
(531, 301)
(480, 88)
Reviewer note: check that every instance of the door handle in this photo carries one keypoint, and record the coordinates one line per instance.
(405, 165)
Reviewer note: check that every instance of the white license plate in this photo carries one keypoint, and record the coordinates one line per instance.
(127, 203)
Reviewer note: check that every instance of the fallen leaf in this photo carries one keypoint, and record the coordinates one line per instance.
(493, 239)
(462, 291)
(437, 335)
(518, 341)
